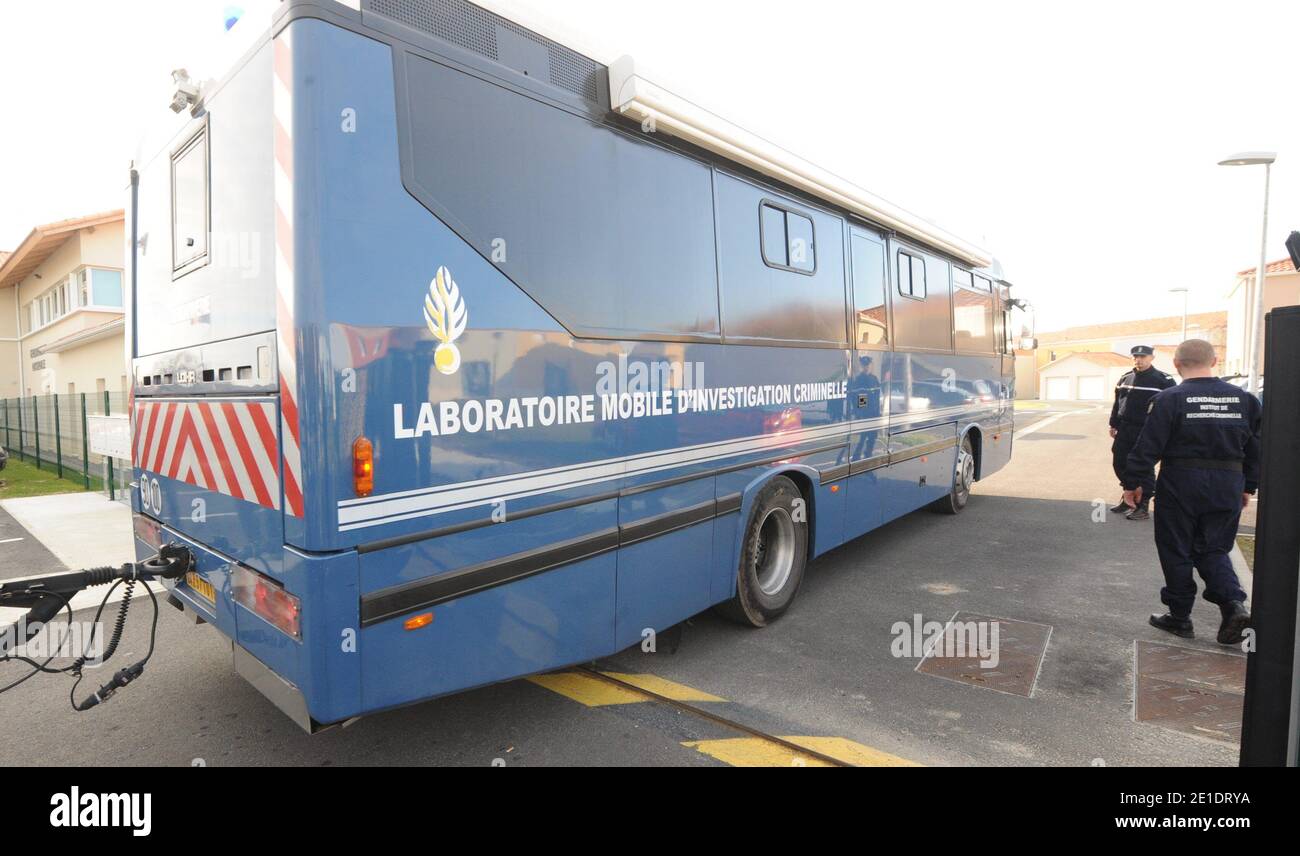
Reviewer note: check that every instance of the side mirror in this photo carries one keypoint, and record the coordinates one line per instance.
(1029, 344)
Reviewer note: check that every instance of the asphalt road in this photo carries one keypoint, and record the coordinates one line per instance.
(1026, 549)
(21, 555)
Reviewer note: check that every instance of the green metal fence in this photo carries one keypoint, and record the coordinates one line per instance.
(50, 432)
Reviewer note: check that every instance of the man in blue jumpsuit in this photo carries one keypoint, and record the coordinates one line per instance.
(1133, 395)
(1205, 434)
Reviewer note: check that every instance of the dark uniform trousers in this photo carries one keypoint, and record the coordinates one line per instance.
(1196, 527)
(1206, 434)
(1129, 412)
(1125, 440)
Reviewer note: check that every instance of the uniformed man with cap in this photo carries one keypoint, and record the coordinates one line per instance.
(1206, 435)
(1127, 415)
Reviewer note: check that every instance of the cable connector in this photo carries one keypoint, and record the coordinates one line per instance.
(172, 562)
(121, 679)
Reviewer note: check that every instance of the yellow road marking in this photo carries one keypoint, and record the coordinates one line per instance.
(663, 687)
(756, 752)
(593, 692)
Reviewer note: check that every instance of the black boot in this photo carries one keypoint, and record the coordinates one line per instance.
(1139, 513)
(1236, 618)
(1171, 623)
(1122, 508)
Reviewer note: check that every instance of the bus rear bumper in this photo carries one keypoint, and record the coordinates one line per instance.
(280, 692)
(313, 675)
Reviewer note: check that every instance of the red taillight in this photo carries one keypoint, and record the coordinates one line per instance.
(363, 467)
(265, 597)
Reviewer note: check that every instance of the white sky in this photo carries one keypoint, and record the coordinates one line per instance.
(1076, 141)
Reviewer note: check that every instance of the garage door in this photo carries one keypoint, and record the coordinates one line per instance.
(1092, 388)
(1058, 388)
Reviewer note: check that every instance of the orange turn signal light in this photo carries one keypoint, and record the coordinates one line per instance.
(419, 621)
(363, 467)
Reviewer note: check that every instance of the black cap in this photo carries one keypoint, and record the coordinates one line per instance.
(1144, 351)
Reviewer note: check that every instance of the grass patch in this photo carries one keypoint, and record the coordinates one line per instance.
(21, 478)
(1247, 545)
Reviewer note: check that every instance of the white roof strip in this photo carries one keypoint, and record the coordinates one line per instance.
(633, 95)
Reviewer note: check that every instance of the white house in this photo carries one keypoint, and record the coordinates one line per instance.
(1082, 376)
(1281, 288)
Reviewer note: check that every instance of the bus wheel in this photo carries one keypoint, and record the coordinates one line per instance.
(963, 476)
(772, 556)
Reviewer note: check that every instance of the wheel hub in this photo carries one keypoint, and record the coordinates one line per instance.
(774, 552)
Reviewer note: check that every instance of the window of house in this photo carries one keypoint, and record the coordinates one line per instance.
(96, 288)
(787, 239)
(106, 287)
(190, 204)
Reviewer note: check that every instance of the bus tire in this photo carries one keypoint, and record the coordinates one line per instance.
(963, 476)
(773, 555)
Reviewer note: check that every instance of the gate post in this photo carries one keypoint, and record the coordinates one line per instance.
(58, 439)
(85, 443)
(108, 459)
(36, 429)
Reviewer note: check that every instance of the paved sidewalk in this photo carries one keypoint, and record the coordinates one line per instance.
(82, 529)
(62, 531)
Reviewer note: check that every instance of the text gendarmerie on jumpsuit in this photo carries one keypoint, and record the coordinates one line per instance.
(1205, 434)
(1133, 396)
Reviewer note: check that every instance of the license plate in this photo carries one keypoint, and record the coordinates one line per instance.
(201, 587)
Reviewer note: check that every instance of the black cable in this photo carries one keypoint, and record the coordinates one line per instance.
(37, 668)
(115, 638)
(125, 675)
(171, 562)
(76, 668)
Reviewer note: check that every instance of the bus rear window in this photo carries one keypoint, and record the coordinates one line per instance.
(190, 204)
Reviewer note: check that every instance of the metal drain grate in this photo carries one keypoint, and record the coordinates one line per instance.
(1191, 690)
(475, 29)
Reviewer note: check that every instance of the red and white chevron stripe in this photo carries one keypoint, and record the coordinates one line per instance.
(227, 446)
(287, 350)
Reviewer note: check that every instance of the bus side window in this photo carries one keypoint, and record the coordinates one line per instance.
(871, 314)
(612, 259)
(923, 318)
(777, 283)
(787, 239)
(1000, 323)
(911, 276)
(972, 313)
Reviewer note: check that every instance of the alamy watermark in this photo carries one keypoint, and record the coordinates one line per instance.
(921, 639)
(55, 639)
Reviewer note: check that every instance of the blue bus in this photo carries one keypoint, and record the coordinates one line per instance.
(460, 356)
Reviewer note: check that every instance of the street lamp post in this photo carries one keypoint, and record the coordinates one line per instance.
(1184, 293)
(1256, 334)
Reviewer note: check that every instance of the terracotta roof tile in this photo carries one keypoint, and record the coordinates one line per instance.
(1101, 358)
(44, 240)
(1128, 329)
(1282, 266)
